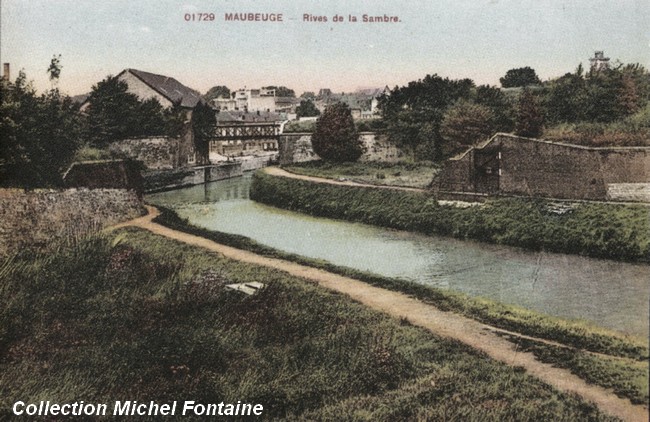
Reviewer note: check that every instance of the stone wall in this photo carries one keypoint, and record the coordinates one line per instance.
(296, 148)
(254, 162)
(41, 218)
(533, 167)
(159, 180)
(379, 148)
(160, 153)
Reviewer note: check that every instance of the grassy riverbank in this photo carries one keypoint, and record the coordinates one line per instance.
(611, 231)
(415, 175)
(133, 316)
(627, 373)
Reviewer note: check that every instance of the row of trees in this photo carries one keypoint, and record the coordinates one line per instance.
(436, 117)
(41, 133)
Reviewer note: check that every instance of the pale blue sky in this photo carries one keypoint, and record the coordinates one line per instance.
(478, 39)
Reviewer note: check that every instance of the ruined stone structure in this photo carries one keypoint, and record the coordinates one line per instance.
(511, 165)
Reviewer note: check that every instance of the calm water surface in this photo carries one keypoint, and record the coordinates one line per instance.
(611, 294)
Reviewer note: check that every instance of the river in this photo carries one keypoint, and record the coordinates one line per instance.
(608, 293)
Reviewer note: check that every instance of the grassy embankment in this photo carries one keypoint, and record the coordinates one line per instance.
(415, 175)
(610, 231)
(133, 316)
(626, 371)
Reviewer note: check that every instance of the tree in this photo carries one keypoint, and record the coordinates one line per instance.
(114, 114)
(335, 137)
(219, 91)
(520, 77)
(501, 108)
(281, 91)
(54, 70)
(203, 123)
(39, 135)
(464, 124)
(307, 109)
(530, 119)
(566, 100)
(412, 114)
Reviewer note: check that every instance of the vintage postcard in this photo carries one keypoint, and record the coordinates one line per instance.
(340, 210)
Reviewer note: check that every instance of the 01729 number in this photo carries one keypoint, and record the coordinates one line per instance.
(199, 17)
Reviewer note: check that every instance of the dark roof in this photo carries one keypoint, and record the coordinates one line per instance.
(169, 88)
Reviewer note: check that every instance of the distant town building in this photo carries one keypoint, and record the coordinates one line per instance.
(6, 75)
(239, 133)
(363, 103)
(253, 100)
(599, 61)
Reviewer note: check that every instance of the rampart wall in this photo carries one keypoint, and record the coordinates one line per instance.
(532, 167)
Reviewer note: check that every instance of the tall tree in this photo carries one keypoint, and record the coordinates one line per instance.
(567, 99)
(412, 114)
(203, 123)
(112, 112)
(520, 77)
(307, 109)
(464, 124)
(219, 91)
(502, 110)
(39, 135)
(530, 118)
(335, 137)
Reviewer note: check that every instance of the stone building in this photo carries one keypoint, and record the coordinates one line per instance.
(599, 61)
(254, 100)
(241, 133)
(516, 166)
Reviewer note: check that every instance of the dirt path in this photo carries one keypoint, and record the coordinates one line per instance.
(470, 332)
(277, 171)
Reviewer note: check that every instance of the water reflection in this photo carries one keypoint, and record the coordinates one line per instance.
(609, 293)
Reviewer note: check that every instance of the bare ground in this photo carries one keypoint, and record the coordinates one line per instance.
(477, 335)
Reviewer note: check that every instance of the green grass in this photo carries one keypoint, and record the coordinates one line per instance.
(134, 316)
(577, 334)
(620, 232)
(416, 175)
(626, 378)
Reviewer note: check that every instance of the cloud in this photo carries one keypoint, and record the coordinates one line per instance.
(145, 29)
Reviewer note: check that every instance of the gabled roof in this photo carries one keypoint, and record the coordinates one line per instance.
(168, 87)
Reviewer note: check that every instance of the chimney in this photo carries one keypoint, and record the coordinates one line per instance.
(6, 75)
